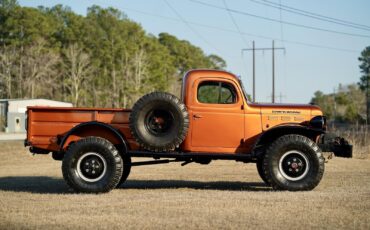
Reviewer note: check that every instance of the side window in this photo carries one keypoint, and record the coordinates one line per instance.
(213, 92)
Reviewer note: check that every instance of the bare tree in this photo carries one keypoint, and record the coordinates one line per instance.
(133, 72)
(139, 74)
(39, 66)
(77, 69)
(7, 61)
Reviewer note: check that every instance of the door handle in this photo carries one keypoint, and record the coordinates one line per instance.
(197, 116)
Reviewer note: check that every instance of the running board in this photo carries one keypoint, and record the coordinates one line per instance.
(195, 155)
(140, 163)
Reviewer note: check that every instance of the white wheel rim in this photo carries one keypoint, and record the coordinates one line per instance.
(81, 174)
(302, 157)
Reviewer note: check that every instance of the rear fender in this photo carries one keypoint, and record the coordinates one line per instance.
(93, 128)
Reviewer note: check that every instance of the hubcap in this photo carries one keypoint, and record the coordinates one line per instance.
(159, 121)
(91, 167)
(294, 165)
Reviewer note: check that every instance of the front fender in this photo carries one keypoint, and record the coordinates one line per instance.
(272, 134)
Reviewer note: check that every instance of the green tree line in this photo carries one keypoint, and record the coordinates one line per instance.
(346, 104)
(350, 103)
(103, 59)
(364, 83)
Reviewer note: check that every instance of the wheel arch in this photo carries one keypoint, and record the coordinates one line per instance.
(93, 128)
(272, 134)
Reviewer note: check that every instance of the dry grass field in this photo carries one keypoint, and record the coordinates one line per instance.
(222, 195)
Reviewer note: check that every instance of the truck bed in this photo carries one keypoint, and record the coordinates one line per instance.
(47, 125)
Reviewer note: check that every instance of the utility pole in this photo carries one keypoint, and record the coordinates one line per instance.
(335, 107)
(367, 108)
(367, 101)
(253, 49)
(254, 74)
(281, 96)
(273, 72)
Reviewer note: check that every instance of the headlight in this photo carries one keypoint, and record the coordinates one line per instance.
(318, 122)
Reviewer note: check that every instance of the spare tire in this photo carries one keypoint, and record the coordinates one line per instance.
(159, 122)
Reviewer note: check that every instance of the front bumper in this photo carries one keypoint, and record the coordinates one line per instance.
(330, 142)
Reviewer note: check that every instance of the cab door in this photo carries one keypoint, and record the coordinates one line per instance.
(217, 116)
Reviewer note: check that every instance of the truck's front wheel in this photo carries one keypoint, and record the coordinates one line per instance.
(92, 165)
(293, 162)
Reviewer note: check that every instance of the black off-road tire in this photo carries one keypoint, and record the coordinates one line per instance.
(97, 154)
(126, 169)
(294, 163)
(259, 166)
(159, 122)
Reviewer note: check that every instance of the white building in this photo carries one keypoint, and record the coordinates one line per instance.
(12, 112)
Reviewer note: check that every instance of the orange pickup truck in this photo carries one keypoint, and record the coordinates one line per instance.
(213, 120)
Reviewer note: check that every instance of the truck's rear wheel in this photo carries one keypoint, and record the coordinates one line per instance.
(294, 163)
(159, 121)
(92, 165)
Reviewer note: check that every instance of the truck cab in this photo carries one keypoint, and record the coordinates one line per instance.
(222, 118)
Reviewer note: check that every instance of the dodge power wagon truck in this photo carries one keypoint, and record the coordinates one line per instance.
(213, 120)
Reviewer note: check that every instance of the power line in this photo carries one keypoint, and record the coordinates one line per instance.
(314, 15)
(235, 24)
(190, 27)
(244, 33)
(310, 15)
(284, 22)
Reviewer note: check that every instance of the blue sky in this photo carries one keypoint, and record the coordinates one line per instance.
(300, 70)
